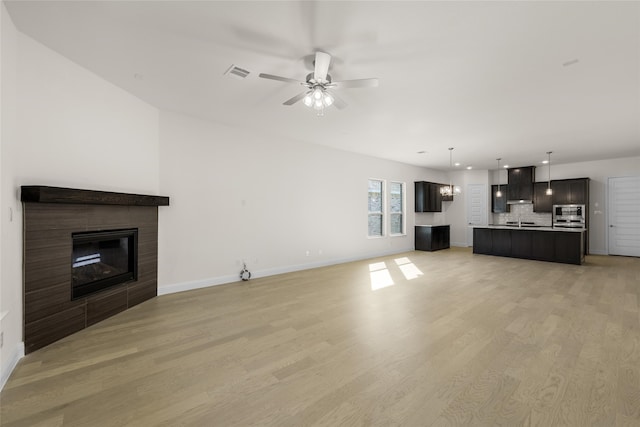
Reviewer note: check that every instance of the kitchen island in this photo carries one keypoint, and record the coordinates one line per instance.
(565, 245)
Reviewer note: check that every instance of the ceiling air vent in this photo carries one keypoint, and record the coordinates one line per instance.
(236, 72)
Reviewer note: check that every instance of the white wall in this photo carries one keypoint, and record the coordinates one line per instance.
(238, 195)
(10, 256)
(599, 172)
(72, 129)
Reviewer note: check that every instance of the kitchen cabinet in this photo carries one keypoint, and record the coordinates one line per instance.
(570, 191)
(522, 243)
(520, 183)
(482, 241)
(427, 197)
(499, 204)
(548, 245)
(541, 201)
(431, 237)
(501, 242)
(565, 250)
(542, 247)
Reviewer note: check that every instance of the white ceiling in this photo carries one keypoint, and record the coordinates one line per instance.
(492, 79)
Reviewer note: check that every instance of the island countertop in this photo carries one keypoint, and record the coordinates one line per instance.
(530, 228)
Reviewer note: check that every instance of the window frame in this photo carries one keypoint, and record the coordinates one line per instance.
(383, 206)
(402, 213)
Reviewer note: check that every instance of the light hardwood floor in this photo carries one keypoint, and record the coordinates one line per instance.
(457, 339)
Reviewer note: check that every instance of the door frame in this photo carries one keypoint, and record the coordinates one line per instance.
(607, 214)
(485, 211)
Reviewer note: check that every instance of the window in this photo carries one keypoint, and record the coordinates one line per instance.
(376, 217)
(396, 207)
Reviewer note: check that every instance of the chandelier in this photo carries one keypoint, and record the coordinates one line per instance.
(450, 190)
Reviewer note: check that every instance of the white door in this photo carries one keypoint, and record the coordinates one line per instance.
(624, 216)
(476, 208)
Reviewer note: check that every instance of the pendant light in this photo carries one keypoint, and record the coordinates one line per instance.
(549, 190)
(449, 191)
(499, 193)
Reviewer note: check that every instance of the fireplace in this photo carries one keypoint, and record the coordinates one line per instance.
(103, 259)
(88, 255)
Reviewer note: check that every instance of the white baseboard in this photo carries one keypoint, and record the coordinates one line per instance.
(597, 252)
(221, 280)
(459, 244)
(11, 363)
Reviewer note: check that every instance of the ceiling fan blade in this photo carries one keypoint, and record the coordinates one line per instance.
(322, 66)
(295, 99)
(355, 83)
(338, 102)
(279, 78)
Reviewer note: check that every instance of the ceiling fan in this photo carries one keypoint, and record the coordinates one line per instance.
(317, 95)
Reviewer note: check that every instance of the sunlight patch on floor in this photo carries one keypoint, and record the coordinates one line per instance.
(408, 268)
(380, 276)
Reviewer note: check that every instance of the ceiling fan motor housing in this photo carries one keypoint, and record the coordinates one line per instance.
(310, 77)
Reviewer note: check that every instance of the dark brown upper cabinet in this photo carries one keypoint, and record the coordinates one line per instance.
(541, 201)
(570, 191)
(499, 204)
(520, 183)
(428, 197)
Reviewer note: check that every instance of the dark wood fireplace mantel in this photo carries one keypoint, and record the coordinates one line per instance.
(44, 194)
(52, 215)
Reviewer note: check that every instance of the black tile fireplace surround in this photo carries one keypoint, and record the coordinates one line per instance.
(53, 216)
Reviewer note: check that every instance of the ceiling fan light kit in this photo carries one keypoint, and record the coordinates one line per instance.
(318, 96)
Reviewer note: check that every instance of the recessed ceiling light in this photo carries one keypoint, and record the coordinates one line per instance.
(544, 162)
(422, 152)
(469, 167)
(506, 166)
(457, 163)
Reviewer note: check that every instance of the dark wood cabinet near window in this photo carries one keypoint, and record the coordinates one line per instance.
(431, 237)
(428, 197)
(570, 191)
(520, 182)
(499, 204)
(541, 201)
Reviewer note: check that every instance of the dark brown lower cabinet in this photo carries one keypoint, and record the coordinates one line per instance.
(482, 241)
(555, 246)
(501, 242)
(431, 237)
(542, 247)
(522, 244)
